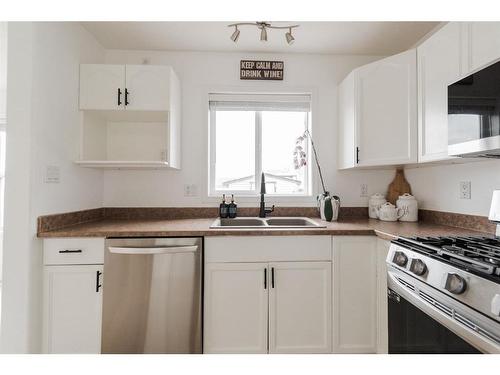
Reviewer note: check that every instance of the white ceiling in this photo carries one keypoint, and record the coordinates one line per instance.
(358, 38)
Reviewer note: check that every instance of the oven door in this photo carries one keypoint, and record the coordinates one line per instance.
(423, 320)
(411, 331)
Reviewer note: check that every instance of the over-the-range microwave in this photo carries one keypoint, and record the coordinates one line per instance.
(474, 114)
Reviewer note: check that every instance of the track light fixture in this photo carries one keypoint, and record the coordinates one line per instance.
(263, 34)
(235, 35)
(263, 26)
(289, 37)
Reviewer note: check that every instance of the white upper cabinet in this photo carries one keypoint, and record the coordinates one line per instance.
(484, 44)
(126, 87)
(102, 86)
(300, 307)
(378, 107)
(131, 116)
(148, 87)
(439, 59)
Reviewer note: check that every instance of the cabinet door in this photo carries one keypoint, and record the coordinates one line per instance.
(438, 65)
(300, 307)
(72, 309)
(148, 87)
(99, 85)
(355, 294)
(236, 308)
(387, 111)
(347, 124)
(484, 48)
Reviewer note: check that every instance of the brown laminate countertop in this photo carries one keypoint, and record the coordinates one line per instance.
(201, 227)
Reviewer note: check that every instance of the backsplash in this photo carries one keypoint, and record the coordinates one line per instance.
(58, 221)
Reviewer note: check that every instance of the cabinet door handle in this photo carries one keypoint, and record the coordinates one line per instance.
(265, 278)
(126, 97)
(272, 277)
(119, 97)
(70, 251)
(357, 155)
(98, 281)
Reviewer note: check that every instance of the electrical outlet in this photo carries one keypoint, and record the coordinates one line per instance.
(465, 189)
(190, 190)
(363, 190)
(52, 174)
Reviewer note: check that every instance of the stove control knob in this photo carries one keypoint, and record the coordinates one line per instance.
(455, 284)
(400, 259)
(418, 267)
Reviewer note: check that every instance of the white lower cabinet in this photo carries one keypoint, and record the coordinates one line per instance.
(297, 294)
(72, 309)
(72, 295)
(355, 294)
(266, 303)
(300, 307)
(236, 308)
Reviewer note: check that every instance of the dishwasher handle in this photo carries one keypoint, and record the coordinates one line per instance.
(153, 250)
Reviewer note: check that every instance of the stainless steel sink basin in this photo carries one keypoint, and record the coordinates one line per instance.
(239, 222)
(274, 222)
(291, 222)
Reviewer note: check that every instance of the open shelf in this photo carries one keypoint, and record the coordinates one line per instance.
(124, 144)
(115, 164)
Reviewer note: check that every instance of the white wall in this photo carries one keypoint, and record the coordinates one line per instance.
(202, 72)
(3, 67)
(42, 129)
(437, 187)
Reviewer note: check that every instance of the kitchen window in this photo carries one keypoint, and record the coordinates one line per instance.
(251, 134)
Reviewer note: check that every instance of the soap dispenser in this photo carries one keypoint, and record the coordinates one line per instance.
(223, 208)
(232, 207)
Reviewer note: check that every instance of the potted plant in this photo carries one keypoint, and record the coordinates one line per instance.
(328, 205)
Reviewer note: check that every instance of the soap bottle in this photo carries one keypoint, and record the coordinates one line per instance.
(232, 207)
(223, 207)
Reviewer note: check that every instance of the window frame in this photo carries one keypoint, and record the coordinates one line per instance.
(212, 127)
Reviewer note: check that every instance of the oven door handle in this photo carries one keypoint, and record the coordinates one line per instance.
(153, 250)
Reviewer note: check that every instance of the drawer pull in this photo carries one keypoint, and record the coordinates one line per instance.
(98, 281)
(70, 251)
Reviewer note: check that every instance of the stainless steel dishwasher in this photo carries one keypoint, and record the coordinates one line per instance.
(152, 295)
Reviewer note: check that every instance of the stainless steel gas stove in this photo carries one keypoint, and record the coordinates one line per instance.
(455, 283)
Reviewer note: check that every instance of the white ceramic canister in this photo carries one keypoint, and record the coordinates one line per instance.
(389, 212)
(374, 203)
(409, 204)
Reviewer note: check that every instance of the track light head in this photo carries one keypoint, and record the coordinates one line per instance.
(263, 34)
(263, 26)
(235, 35)
(289, 37)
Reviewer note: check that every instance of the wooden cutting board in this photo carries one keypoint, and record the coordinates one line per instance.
(398, 187)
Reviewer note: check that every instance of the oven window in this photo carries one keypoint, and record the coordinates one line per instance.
(411, 331)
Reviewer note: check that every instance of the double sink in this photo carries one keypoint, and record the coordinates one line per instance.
(263, 223)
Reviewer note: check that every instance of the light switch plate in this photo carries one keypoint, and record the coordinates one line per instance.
(52, 174)
(465, 187)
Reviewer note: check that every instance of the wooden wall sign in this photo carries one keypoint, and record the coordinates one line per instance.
(261, 70)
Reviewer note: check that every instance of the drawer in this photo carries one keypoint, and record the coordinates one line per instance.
(73, 251)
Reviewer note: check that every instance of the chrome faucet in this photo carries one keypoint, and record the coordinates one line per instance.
(263, 210)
